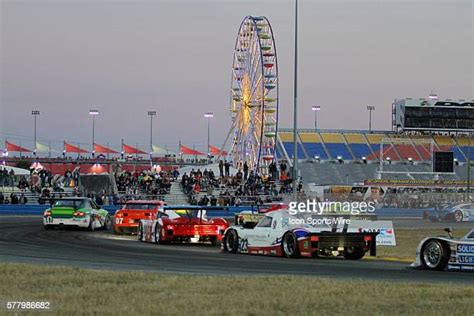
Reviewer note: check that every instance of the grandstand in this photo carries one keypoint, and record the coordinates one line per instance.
(351, 146)
(347, 157)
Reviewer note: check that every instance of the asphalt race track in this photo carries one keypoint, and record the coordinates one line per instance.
(23, 239)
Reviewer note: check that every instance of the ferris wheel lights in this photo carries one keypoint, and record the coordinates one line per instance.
(254, 79)
(270, 100)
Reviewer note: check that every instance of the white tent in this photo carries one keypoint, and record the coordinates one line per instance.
(161, 151)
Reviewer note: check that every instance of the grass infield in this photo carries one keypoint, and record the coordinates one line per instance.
(82, 291)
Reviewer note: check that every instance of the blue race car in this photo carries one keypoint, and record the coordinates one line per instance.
(463, 212)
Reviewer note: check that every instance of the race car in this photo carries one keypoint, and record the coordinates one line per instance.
(278, 233)
(127, 218)
(452, 213)
(77, 212)
(183, 224)
(446, 253)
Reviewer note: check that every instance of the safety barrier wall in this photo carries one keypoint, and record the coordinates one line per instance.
(15, 209)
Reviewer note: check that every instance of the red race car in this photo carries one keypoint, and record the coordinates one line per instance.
(184, 224)
(127, 218)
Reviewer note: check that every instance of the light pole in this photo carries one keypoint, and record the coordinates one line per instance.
(370, 108)
(151, 114)
(93, 113)
(316, 109)
(208, 115)
(295, 108)
(35, 113)
(469, 169)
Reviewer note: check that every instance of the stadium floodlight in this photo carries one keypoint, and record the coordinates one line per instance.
(316, 109)
(93, 113)
(35, 113)
(151, 114)
(433, 96)
(370, 108)
(209, 115)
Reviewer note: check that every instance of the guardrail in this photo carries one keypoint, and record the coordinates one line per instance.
(16, 209)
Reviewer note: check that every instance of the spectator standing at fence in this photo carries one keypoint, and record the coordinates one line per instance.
(23, 199)
(221, 168)
(227, 168)
(246, 171)
(13, 198)
(213, 200)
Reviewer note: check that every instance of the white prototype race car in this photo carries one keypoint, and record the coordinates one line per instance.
(278, 233)
(446, 253)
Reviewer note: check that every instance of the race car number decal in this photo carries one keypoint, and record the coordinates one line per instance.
(118, 220)
(48, 219)
(243, 244)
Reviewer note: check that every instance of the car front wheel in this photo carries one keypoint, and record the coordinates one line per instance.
(435, 255)
(231, 241)
(140, 232)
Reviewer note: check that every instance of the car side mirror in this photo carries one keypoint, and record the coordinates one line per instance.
(449, 230)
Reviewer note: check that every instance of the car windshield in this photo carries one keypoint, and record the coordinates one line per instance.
(70, 203)
(140, 206)
(170, 214)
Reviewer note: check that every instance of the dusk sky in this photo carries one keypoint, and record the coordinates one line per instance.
(125, 58)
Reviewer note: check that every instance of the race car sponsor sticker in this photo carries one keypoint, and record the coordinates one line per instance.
(466, 259)
(465, 248)
(386, 233)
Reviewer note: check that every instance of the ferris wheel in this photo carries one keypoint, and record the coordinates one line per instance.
(254, 95)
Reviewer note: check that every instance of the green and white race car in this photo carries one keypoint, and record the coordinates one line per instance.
(78, 212)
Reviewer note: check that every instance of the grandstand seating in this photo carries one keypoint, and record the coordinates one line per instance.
(336, 146)
(313, 146)
(290, 148)
(342, 174)
(358, 145)
(407, 152)
(354, 146)
(464, 144)
(287, 140)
